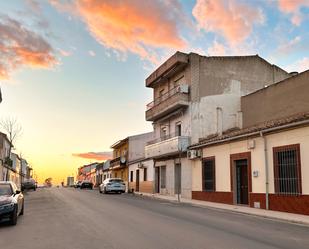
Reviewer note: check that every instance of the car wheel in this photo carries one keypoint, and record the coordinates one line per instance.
(22, 209)
(13, 217)
(100, 190)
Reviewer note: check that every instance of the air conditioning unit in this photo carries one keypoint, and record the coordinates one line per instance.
(183, 88)
(193, 154)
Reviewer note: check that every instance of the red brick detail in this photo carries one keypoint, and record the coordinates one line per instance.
(258, 197)
(291, 204)
(220, 197)
(284, 203)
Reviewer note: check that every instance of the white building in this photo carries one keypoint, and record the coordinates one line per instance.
(193, 97)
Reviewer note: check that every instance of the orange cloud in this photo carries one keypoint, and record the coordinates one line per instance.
(100, 156)
(22, 47)
(234, 21)
(293, 7)
(139, 27)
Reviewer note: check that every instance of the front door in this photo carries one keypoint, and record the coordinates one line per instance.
(242, 192)
(177, 179)
(137, 181)
(157, 180)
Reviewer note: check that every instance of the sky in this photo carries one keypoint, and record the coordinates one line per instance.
(72, 72)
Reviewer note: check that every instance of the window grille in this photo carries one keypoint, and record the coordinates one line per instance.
(287, 173)
(209, 174)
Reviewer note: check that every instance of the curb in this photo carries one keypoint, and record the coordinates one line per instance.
(265, 216)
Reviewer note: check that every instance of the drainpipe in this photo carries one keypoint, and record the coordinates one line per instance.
(266, 171)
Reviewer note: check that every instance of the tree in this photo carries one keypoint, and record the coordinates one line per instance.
(13, 130)
(48, 182)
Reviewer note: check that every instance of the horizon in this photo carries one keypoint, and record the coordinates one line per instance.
(73, 73)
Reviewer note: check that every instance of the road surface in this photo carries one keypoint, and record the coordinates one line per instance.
(84, 219)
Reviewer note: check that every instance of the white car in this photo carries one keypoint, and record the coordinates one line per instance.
(112, 185)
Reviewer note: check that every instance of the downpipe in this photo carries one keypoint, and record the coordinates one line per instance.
(266, 171)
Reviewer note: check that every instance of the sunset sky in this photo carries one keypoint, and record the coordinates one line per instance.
(72, 72)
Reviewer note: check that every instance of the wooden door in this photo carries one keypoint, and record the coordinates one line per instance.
(157, 179)
(242, 192)
(137, 181)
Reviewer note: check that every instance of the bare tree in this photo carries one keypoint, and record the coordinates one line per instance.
(13, 130)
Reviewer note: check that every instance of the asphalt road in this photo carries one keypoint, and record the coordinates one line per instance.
(84, 219)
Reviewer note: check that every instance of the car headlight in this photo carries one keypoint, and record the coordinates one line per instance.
(7, 205)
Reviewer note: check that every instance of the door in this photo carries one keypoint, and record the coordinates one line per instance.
(137, 181)
(177, 179)
(242, 193)
(157, 180)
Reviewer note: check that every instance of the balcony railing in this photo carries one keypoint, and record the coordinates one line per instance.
(162, 138)
(167, 145)
(171, 100)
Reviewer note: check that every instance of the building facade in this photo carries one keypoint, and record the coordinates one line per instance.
(264, 164)
(141, 170)
(130, 150)
(193, 97)
(6, 162)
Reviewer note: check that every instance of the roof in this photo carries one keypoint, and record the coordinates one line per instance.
(235, 133)
(280, 82)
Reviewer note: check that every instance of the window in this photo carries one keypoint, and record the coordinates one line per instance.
(163, 176)
(131, 176)
(115, 174)
(287, 169)
(163, 132)
(145, 174)
(208, 172)
(178, 129)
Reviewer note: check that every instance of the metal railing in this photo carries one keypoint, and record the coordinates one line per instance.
(162, 138)
(287, 170)
(164, 97)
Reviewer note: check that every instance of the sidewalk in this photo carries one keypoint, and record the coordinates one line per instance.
(275, 215)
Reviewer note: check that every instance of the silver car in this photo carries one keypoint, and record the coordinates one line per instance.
(11, 201)
(112, 185)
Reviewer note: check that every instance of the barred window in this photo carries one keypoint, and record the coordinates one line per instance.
(287, 171)
(208, 172)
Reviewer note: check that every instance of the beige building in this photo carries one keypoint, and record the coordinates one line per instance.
(264, 164)
(196, 96)
(6, 163)
(129, 162)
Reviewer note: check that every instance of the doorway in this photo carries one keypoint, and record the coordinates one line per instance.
(137, 181)
(242, 191)
(157, 180)
(177, 179)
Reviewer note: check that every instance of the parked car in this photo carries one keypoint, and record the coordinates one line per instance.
(86, 184)
(28, 184)
(77, 184)
(11, 201)
(115, 185)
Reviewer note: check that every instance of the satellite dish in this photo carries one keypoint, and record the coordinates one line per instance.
(122, 159)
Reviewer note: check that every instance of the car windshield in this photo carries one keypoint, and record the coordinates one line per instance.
(5, 189)
(116, 180)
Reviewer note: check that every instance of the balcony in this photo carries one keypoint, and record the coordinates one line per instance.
(166, 146)
(118, 162)
(174, 99)
(173, 65)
